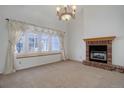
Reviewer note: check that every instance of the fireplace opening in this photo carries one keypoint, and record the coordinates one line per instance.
(98, 53)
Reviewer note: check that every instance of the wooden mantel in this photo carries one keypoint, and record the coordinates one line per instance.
(100, 38)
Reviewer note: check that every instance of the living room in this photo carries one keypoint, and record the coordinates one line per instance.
(42, 45)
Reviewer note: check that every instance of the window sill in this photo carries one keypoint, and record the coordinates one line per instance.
(28, 55)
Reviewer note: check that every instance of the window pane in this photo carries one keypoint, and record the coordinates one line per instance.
(36, 48)
(55, 43)
(44, 42)
(20, 44)
(33, 42)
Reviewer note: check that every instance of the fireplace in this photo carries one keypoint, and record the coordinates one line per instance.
(98, 53)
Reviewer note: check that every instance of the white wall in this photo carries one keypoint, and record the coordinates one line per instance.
(97, 21)
(3, 45)
(75, 36)
(38, 15)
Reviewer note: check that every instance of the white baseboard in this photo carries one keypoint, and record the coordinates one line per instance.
(75, 60)
(0, 72)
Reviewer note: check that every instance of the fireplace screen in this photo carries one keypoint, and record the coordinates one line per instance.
(98, 55)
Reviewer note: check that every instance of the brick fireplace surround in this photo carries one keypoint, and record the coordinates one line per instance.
(102, 41)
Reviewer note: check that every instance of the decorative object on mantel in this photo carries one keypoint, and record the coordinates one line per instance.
(66, 12)
(99, 53)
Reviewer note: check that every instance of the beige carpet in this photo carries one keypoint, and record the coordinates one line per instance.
(63, 74)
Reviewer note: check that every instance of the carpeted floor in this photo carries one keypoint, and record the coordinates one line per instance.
(63, 74)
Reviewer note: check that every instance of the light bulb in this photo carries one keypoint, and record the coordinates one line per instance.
(58, 8)
(66, 17)
(74, 7)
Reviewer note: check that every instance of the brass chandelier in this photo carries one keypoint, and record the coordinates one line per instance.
(66, 12)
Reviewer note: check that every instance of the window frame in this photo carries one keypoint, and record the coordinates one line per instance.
(26, 53)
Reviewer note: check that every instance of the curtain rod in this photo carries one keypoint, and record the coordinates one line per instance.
(7, 19)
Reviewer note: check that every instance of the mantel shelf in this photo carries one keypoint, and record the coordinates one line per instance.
(100, 38)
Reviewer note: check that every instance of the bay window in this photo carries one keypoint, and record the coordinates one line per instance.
(25, 40)
(31, 42)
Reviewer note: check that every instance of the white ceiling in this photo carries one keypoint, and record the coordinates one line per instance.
(42, 15)
(8, 11)
(32, 10)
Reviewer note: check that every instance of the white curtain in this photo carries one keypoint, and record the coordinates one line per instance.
(14, 32)
(61, 38)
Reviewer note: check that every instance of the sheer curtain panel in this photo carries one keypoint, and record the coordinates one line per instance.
(14, 33)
